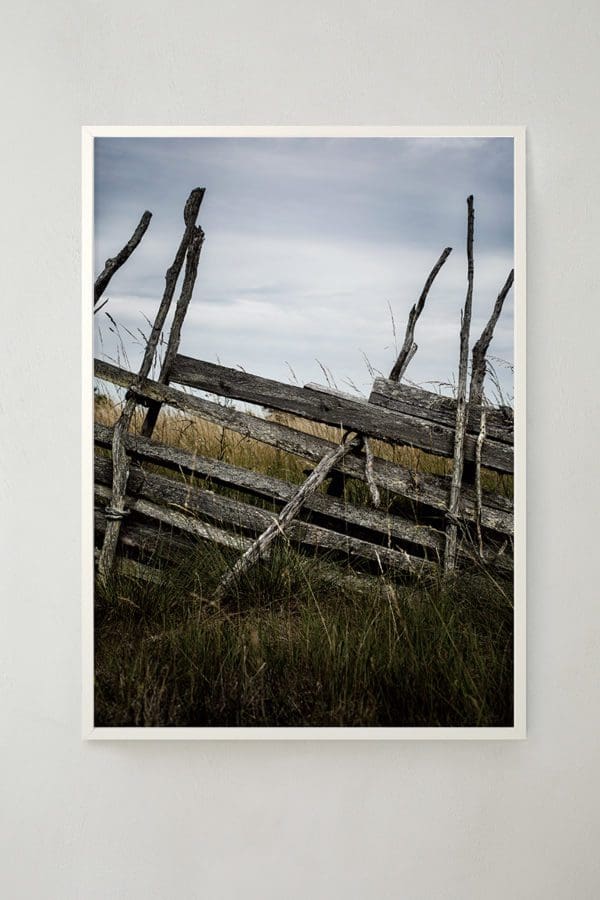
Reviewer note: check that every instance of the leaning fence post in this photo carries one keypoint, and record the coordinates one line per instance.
(116, 511)
(461, 402)
(191, 271)
(288, 513)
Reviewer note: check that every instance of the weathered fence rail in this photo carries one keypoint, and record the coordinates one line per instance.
(145, 490)
(393, 426)
(419, 487)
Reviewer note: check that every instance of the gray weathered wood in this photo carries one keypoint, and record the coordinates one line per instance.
(119, 456)
(335, 512)
(147, 540)
(369, 458)
(409, 348)
(332, 409)
(422, 488)
(461, 403)
(131, 568)
(479, 366)
(189, 280)
(289, 512)
(176, 519)
(436, 408)
(478, 491)
(112, 265)
(150, 492)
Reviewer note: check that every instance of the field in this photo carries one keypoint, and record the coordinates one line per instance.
(302, 640)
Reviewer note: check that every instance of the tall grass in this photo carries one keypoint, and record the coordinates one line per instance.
(301, 640)
(296, 645)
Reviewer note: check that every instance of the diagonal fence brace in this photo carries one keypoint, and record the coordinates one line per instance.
(288, 513)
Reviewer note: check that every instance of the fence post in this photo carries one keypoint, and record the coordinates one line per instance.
(116, 511)
(461, 402)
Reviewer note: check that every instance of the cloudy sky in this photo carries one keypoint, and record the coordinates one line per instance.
(310, 243)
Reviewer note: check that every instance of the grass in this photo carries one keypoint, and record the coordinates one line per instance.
(302, 640)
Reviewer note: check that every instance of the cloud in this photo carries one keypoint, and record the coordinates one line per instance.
(308, 244)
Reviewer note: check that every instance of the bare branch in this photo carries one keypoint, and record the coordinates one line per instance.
(407, 352)
(480, 349)
(114, 264)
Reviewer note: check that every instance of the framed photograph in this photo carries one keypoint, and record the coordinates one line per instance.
(303, 432)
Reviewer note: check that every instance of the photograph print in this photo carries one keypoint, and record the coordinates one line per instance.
(308, 454)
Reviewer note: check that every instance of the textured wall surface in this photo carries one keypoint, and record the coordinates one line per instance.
(318, 820)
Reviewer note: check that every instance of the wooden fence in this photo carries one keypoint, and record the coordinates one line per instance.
(141, 496)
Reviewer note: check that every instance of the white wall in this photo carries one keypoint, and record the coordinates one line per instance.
(267, 820)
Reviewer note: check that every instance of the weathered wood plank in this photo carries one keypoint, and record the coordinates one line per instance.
(171, 517)
(153, 540)
(424, 404)
(148, 492)
(254, 483)
(352, 415)
(149, 540)
(422, 488)
(285, 518)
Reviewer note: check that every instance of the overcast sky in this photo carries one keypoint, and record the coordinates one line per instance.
(309, 243)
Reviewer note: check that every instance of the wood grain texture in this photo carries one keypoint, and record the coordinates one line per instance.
(171, 517)
(189, 508)
(422, 488)
(331, 512)
(332, 409)
(424, 404)
(289, 512)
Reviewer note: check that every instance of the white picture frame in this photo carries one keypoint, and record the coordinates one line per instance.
(89, 730)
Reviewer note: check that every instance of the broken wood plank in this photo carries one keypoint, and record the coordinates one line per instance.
(331, 409)
(422, 488)
(461, 403)
(409, 348)
(289, 512)
(149, 493)
(387, 526)
(154, 510)
(112, 265)
(434, 407)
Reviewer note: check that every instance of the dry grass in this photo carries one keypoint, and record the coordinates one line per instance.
(301, 640)
(207, 439)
